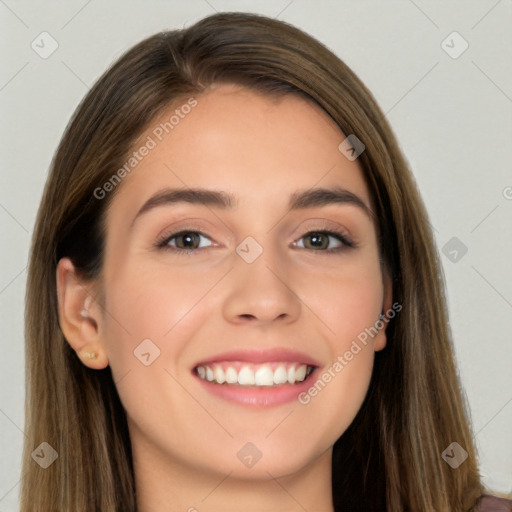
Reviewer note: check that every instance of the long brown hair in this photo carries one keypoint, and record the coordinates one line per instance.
(390, 456)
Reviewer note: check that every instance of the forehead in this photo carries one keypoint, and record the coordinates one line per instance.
(259, 148)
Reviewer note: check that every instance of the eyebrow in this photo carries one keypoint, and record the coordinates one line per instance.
(299, 200)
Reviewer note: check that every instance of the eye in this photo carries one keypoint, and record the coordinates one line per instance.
(324, 239)
(188, 241)
(185, 241)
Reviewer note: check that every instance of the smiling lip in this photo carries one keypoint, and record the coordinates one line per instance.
(262, 356)
(258, 396)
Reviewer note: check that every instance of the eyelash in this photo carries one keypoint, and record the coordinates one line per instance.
(162, 242)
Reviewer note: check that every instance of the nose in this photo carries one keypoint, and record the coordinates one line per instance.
(262, 291)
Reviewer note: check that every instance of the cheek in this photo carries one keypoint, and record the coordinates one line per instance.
(337, 393)
(347, 301)
(152, 315)
(349, 305)
(151, 302)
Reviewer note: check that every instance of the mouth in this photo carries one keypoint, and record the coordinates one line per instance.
(257, 377)
(245, 374)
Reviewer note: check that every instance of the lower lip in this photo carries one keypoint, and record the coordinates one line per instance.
(264, 396)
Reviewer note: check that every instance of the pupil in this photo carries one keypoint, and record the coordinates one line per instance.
(188, 240)
(317, 240)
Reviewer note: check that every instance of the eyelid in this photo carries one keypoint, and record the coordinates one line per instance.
(198, 225)
(314, 225)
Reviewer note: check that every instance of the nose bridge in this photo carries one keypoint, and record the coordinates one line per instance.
(260, 283)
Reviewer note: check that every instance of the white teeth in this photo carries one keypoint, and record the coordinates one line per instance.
(231, 375)
(264, 376)
(259, 375)
(280, 375)
(218, 375)
(246, 376)
(300, 373)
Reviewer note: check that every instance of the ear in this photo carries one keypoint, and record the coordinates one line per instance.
(79, 316)
(379, 341)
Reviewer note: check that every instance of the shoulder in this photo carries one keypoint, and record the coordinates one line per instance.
(488, 503)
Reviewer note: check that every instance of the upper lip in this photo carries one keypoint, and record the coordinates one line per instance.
(259, 356)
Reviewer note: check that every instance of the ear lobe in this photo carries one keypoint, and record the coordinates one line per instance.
(380, 338)
(79, 316)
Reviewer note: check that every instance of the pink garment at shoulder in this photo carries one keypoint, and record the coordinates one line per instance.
(488, 503)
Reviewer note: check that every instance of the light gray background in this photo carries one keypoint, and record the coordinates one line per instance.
(452, 118)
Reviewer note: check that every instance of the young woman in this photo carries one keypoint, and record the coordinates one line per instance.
(234, 298)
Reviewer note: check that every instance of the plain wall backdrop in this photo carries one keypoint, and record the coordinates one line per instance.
(448, 97)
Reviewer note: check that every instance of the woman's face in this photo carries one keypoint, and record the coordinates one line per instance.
(257, 293)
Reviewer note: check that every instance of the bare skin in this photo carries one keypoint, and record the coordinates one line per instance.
(196, 305)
